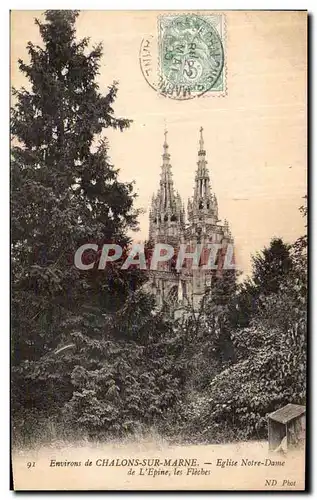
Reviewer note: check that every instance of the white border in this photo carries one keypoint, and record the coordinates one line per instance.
(4, 182)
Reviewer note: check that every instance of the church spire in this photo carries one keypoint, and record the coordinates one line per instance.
(203, 207)
(167, 210)
(166, 182)
(202, 176)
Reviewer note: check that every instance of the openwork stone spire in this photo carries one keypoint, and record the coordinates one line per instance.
(167, 216)
(203, 208)
(166, 192)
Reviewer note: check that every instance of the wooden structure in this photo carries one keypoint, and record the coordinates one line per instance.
(286, 427)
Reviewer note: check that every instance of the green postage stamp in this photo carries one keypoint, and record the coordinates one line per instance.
(191, 54)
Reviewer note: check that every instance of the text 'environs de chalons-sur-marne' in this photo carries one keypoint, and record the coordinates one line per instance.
(169, 462)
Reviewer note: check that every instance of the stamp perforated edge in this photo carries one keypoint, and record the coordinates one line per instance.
(206, 13)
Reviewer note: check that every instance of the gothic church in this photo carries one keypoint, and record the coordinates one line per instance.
(168, 224)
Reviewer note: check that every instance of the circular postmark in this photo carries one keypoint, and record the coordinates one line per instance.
(148, 61)
(188, 58)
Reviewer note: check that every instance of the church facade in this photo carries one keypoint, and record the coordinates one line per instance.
(170, 223)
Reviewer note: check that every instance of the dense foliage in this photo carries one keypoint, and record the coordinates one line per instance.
(270, 353)
(90, 354)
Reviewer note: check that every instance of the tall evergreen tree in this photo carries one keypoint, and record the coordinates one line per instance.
(64, 192)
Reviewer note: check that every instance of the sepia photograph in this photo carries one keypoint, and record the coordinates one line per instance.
(158, 213)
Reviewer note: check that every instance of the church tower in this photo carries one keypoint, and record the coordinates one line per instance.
(203, 208)
(182, 289)
(167, 214)
(204, 227)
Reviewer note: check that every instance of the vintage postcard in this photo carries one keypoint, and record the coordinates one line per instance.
(159, 250)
